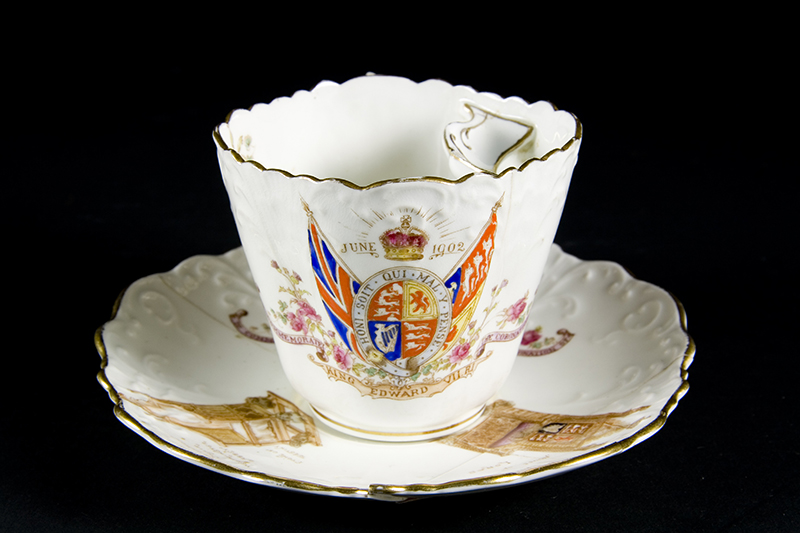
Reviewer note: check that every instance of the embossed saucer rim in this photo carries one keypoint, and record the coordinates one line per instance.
(404, 491)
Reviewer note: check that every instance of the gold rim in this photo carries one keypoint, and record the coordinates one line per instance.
(396, 492)
(464, 422)
(238, 158)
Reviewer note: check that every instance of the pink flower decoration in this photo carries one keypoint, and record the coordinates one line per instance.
(297, 323)
(305, 310)
(343, 358)
(459, 352)
(530, 336)
(513, 312)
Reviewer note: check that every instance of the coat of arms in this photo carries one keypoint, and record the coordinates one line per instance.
(403, 317)
(405, 331)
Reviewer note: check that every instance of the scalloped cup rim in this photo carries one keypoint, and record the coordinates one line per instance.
(222, 145)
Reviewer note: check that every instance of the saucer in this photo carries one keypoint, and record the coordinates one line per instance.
(189, 363)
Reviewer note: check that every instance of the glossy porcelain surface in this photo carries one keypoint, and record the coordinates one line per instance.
(190, 364)
(397, 232)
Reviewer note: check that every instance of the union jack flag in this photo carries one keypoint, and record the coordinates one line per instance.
(336, 285)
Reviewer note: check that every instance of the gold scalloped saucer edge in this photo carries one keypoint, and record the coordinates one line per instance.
(397, 492)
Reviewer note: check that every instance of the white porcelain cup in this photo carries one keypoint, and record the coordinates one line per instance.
(397, 232)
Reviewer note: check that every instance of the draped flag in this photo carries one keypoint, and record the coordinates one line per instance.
(337, 287)
(467, 280)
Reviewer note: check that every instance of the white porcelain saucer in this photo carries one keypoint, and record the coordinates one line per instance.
(188, 362)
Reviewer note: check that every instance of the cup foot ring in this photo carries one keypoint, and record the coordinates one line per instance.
(388, 436)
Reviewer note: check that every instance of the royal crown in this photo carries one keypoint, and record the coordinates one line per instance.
(405, 243)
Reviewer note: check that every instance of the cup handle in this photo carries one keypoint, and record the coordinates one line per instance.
(487, 141)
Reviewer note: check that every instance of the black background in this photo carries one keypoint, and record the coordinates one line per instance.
(683, 177)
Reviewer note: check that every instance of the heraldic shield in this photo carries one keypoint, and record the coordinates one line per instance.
(402, 317)
(402, 311)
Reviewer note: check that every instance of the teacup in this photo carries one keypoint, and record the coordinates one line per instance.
(397, 232)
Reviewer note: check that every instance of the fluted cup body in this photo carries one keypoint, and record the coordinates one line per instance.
(397, 233)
